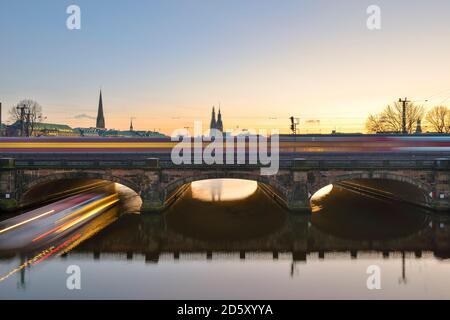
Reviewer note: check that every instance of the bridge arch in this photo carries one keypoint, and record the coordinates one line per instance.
(275, 187)
(425, 189)
(31, 183)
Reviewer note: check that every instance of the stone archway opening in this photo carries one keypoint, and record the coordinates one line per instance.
(225, 208)
(58, 188)
(215, 190)
(223, 186)
(218, 189)
(370, 209)
(386, 188)
(389, 188)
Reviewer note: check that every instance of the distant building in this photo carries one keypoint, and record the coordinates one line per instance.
(43, 129)
(2, 128)
(98, 132)
(218, 125)
(100, 116)
(419, 126)
(212, 124)
(62, 130)
(132, 134)
(89, 132)
(111, 133)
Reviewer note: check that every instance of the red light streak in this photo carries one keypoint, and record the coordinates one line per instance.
(63, 245)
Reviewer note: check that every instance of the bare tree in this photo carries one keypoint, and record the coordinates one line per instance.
(438, 118)
(390, 119)
(28, 112)
(375, 123)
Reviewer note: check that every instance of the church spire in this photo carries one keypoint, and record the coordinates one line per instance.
(219, 124)
(213, 119)
(131, 124)
(100, 115)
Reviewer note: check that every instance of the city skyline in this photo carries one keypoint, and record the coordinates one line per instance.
(168, 64)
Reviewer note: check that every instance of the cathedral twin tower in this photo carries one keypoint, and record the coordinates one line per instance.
(218, 125)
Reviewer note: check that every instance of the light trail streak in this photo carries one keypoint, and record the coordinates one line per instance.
(82, 188)
(87, 207)
(85, 216)
(26, 221)
(87, 145)
(66, 245)
(91, 231)
(75, 221)
(25, 264)
(54, 250)
(45, 234)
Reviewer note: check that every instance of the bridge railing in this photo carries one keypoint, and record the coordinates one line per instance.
(150, 163)
(367, 164)
(301, 164)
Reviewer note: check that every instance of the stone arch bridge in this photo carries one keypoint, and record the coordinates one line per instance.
(426, 181)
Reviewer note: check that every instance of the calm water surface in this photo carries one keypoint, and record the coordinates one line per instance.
(227, 239)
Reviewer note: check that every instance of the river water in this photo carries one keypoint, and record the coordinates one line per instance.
(227, 239)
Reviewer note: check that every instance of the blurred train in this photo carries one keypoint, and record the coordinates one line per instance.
(54, 223)
(288, 144)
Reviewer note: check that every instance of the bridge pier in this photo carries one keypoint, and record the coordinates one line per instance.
(152, 201)
(152, 195)
(8, 201)
(441, 196)
(297, 194)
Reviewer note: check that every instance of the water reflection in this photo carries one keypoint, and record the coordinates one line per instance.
(249, 248)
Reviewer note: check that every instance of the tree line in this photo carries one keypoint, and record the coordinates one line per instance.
(437, 119)
(27, 113)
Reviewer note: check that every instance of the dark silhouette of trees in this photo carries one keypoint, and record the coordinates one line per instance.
(26, 113)
(438, 119)
(390, 119)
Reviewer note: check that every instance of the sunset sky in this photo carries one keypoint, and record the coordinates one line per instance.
(167, 62)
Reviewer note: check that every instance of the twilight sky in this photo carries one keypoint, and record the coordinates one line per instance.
(166, 62)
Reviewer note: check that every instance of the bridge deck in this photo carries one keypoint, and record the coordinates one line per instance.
(303, 162)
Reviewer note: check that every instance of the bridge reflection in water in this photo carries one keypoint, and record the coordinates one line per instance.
(260, 244)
